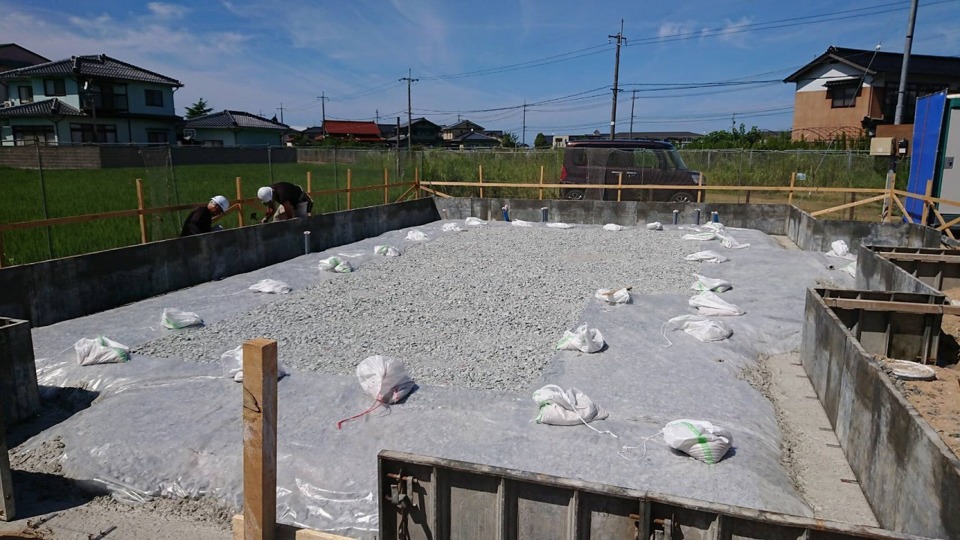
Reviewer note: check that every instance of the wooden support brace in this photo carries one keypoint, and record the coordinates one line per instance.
(847, 205)
(620, 185)
(944, 226)
(481, 180)
(793, 183)
(541, 182)
(926, 203)
(240, 202)
(700, 187)
(287, 532)
(902, 208)
(259, 439)
(143, 218)
(887, 305)
(349, 181)
(386, 186)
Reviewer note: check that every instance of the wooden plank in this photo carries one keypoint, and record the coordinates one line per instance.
(812, 189)
(946, 225)
(260, 439)
(620, 186)
(944, 228)
(142, 218)
(926, 204)
(481, 180)
(386, 186)
(902, 209)
(847, 205)
(437, 193)
(416, 180)
(240, 201)
(287, 532)
(349, 181)
(700, 187)
(887, 305)
(919, 257)
(7, 509)
(793, 182)
(541, 182)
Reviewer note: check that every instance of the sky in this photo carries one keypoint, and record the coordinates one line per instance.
(546, 65)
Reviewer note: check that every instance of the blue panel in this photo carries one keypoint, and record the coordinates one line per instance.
(926, 141)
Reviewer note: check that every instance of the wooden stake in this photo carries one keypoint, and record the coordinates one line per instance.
(700, 185)
(386, 183)
(793, 183)
(240, 201)
(541, 182)
(853, 210)
(309, 182)
(416, 181)
(349, 180)
(259, 439)
(926, 202)
(620, 185)
(481, 181)
(143, 218)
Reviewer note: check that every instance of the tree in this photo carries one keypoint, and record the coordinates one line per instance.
(200, 108)
(540, 141)
(509, 140)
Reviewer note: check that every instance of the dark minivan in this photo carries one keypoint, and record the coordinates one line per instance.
(636, 162)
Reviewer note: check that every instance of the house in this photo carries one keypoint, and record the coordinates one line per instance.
(448, 133)
(233, 128)
(473, 139)
(87, 99)
(425, 133)
(852, 91)
(13, 56)
(350, 130)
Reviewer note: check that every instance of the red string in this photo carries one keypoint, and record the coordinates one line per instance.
(376, 404)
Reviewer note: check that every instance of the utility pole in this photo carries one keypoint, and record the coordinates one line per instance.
(898, 114)
(281, 112)
(409, 112)
(733, 123)
(633, 103)
(323, 107)
(616, 80)
(523, 137)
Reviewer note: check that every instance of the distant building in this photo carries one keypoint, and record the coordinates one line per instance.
(233, 128)
(350, 130)
(853, 91)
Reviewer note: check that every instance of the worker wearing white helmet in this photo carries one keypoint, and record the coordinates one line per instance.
(284, 201)
(201, 219)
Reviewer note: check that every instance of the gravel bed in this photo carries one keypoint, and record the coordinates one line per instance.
(482, 308)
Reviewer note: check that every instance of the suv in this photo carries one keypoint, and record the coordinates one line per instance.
(637, 162)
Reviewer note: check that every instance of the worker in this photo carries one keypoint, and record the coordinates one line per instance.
(201, 220)
(284, 201)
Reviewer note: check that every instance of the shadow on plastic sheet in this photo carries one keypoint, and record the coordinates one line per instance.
(36, 493)
(56, 405)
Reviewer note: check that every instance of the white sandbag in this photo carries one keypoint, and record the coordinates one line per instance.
(708, 303)
(270, 286)
(698, 438)
(384, 379)
(521, 223)
(703, 236)
(655, 226)
(614, 296)
(571, 407)
(839, 249)
(559, 225)
(386, 251)
(704, 283)
(100, 350)
(730, 242)
(707, 256)
(612, 227)
(702, 328)
(231, 364)
(176, 319)
(713, 226)
(474, 221)
(451, 227)
(335, 264)
(416, 236)
(586, 340)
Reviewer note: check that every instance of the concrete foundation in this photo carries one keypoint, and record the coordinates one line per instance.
(19, 393)
(878, 273)
(902, 268)
(910, 478)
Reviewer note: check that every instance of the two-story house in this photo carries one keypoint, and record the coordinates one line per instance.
(13, 56)
(87, 99)
(423, 133)
(854, 91)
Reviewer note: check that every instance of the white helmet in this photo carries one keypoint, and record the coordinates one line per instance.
(221, 201)
(265, 194)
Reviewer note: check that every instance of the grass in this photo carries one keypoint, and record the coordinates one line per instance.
(33, 195)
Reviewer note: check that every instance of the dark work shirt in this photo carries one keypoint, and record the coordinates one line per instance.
(286, 192)
(197, 222)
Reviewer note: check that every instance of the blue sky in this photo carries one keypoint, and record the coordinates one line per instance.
(695, 65)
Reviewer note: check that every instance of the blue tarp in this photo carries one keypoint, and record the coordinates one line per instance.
(927, 126)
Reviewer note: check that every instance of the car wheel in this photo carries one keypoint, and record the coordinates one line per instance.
(575, 195)
(681, 197)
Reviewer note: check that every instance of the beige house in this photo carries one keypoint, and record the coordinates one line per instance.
(854, 91)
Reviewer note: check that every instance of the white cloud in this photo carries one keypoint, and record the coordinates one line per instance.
(732, 33)
(167, 11)
(672, 29)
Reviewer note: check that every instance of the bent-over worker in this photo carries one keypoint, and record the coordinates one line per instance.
(290, 197)
(201, 220)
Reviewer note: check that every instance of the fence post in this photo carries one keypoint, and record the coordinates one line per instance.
(416, 181)
(793, 183)
(481, 180)
(619, 184)
(700, 185)
(386, 188)
(349, 180)
(541, 182)
(890, 196)
(259, 439)
(853, 209)
(926, 210)
(143, 218)
(309, 182)
(239, 202)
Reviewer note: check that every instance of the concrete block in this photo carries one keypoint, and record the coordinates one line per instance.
(19, 393)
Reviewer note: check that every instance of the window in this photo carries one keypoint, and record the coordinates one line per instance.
(646, 159)
(54, 87)
(29, 135)
(108, 97)
(844, 96)
(158, 136)
(213, 142)
(85, 133)
(26, 94)
(153, 98)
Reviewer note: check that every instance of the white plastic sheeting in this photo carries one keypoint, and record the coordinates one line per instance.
(707, 256)
(271, 286)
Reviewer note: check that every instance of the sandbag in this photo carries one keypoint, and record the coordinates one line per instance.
(655, 226)
(175, 319)
(451, 227)
(100, 350)
(839, 249)
(416, 236)
(704, 283)
(614, 296)
(231, 364)
(270, 286)
(474, 221)
(699, 439)
(708, 303)
(703, 236)
(702, 328)
(559, 225)
(730, 243)
(612, 227)
(335, 264)
(384, 379)
(571, 407)
(386, 251)
(521, 223)
(586, 340)
(707, 256)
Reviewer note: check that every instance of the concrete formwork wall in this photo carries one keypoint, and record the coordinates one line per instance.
(52, 291)
(812, 234)
(875, 273)
(910, 478)
(19, 393)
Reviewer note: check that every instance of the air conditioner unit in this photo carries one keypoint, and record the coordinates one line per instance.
(7, 104)
(189, 133)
